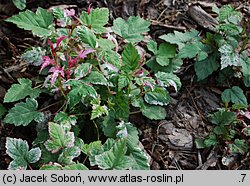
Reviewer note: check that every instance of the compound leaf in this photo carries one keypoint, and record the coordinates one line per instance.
(24, 113)
(234, 95)
(38, 22)
(130, 57)
(131, 29)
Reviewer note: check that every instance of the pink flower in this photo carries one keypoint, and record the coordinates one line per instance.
(56, 71)
(89, 8)
(70, 12)
(46, 62)
(83, 53)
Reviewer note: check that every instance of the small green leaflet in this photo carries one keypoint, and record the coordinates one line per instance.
(96, 19)
(92, 150)
(2, 110)
(228, 14)
(159, 96)
(87, 36)
(168, 79)
(82, 70)
(123, 81)
(97, 109)
(79, 91)
(24, 113)
(59, 138)
(152, 46)
(228, 57)
(95, 78)
(239, 146)
(38, 22)
(165, 53)
(68, 154)
(20, 4)
(115, 158)
(211, 140)
(234, 95)
(18, 150)
(105, 44)
(206, 67)
(130, 57)
(21, 90)
(121, 106)
(34, 56)
(65, 120)
(131, 29)
(223, 117)
(180, 38)
(61, 17)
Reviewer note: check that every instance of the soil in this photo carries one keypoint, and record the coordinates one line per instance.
(170, 143)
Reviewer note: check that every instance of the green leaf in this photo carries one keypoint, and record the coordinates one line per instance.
(20, 4)
(34, 56)
(96, 19)
(211, 140)
(79, 91)
(95, 78)
(152, 46)
(131, 29)
(189, 51)
(105, 44)
(180, 38)
(247, 131)
(114, 158)
(98, 110)
(68, 154)
(223, 117)
(38, 22)
(65, 120)
(123, 81)
(206, 67)
(121, 106)
(234, 95)
(24, 113)
(168, 79)
(82, 70)
(76, 166)
(165, 52)
(21, 90)
(18, 150)
(92, 150)
(111, 57)
(159, 96)
(51, 167)
(109, 126)
(2, 110)
(228, 14)
(87, 36)
(59, 138)
(228, 57)
(138, 157)
(239, 146)
(130, 57)
(199, 143)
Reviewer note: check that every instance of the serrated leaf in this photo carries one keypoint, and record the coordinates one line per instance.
(139, 160)
(20, 4)
(228, 57)
(130, 57)
(80, 91)
(65, 120)
(87, 36)
(98, 110)
(159, 96)
(223, 117)
(239, 146)
(24, 113)
(82, 70)
(18, 150)
(247, 131)
(123, 81)
(189, 51)
(2, 110)
(206, 67)
(34, 56)
(121, 106)
(109, 126)
(96, 19)
(180, 38)
(234, 95)
(211, 140)
(165, 53)
(168, 79)
(21, 90)
(114, 158)
(228, 14)
(68, 154)
(38, 22)
(95, 78)
(131, 29)
(76, 166)
(152, 46)
(111, 57)
(92, 150)
(105, 44)
(59, 138)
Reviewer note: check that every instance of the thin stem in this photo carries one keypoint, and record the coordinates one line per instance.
(96, 130)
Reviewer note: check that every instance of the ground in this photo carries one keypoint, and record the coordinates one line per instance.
(168, 143)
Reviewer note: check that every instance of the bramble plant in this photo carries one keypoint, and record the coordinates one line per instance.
(96, 86)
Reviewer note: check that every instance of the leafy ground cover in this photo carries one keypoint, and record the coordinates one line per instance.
(115, 93)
